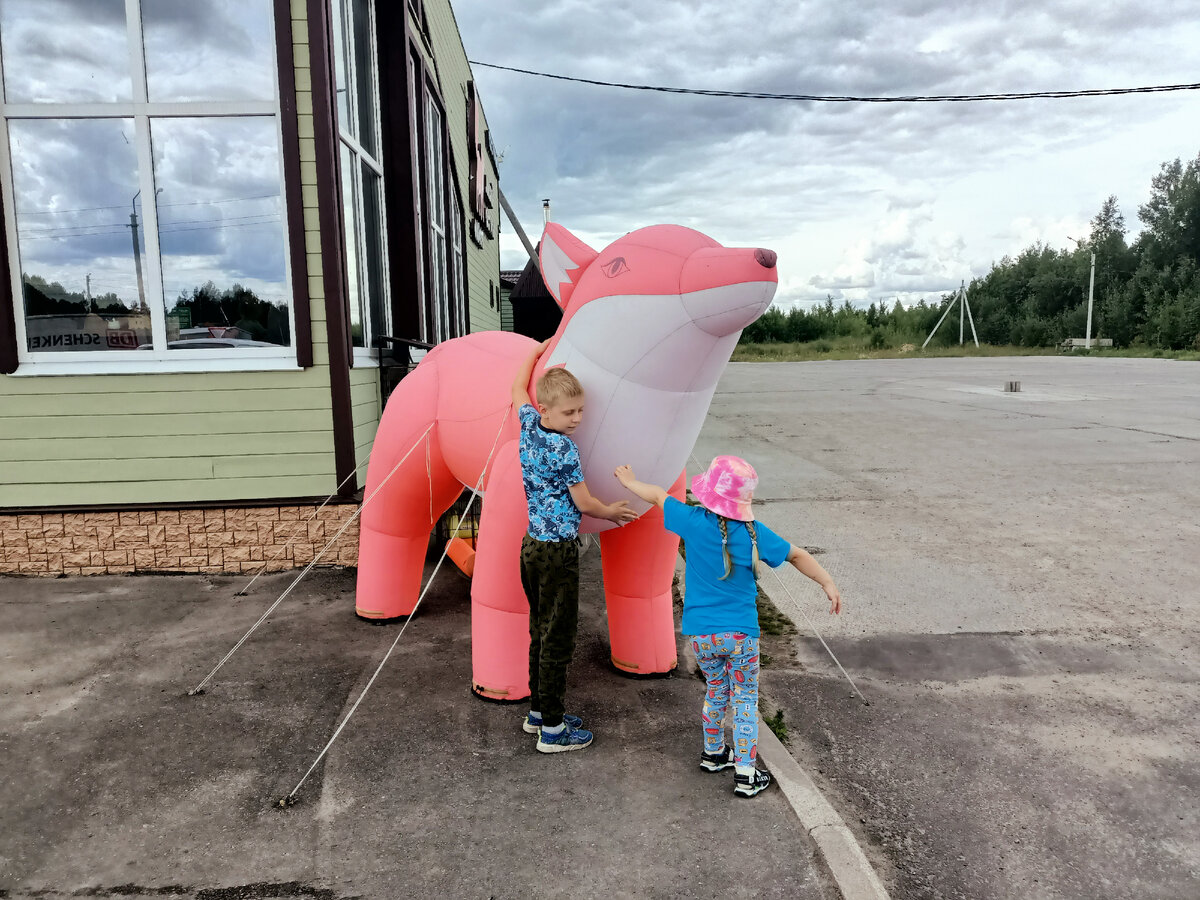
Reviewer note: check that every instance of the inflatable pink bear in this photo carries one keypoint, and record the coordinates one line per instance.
(648, 326)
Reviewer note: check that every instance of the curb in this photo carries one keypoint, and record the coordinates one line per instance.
(852, 873)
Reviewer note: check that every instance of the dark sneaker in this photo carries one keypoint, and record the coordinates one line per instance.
(749, 785)
(569, 738)
(716, 762)
(533, 725)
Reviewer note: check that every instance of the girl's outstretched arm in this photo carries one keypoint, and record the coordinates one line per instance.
(810, 568)
(651, 493)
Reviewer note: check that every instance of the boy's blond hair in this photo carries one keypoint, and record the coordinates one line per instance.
(557, 384)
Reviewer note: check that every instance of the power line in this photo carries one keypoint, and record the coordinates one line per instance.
(271, 222)
(119, 226)
(836, 98)
(57, 212)
(267, 219)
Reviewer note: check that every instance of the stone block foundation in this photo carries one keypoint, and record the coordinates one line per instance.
(233, 540)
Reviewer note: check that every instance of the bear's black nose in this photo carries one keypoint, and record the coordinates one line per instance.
(766, 258)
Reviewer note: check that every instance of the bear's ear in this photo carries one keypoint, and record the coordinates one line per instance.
(564, 258)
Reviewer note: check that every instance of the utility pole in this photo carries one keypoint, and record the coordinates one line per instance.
(970, 318)
(137, 249)
(87, 291)
(1087, 335)
(961, 315)
(512, 217)
(964, 311)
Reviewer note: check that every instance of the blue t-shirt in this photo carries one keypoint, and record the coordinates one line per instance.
(710, 605)
(549, 466)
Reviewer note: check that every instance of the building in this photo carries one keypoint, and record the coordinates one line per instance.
(224, 227)
(508, 280)
(533, 310)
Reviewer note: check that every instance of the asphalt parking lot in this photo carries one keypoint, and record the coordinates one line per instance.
(1022, 583)
(116, 784)
(1020, 574)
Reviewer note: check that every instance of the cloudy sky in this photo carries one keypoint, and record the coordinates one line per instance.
(75, 180)
(861, 201)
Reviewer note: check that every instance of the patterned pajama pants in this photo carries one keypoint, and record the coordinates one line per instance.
(730, 664)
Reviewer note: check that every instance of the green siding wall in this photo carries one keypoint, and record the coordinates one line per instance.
(146, 439)
(364, 401)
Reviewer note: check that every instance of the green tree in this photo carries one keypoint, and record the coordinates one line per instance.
(1172, 215)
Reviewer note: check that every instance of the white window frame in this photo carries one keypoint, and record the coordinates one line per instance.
(416, 116)
(439, 245)
(368, 354)
(141, 110)
(458, 293)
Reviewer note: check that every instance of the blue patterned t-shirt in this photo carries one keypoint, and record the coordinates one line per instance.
(549, 466)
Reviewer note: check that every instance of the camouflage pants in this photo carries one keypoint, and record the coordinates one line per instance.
(550, 576)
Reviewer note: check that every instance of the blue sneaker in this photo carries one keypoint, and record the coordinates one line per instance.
(569, 738)
(533, 724)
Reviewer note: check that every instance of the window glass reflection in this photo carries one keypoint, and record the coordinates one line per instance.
(79, 234)
(438, 296)
(352, 228)
(372, 230)
(457, 273)
(65, 51)
(216, 50)
(364, 67)
(341, 66)
(220, 225)
(354, 70)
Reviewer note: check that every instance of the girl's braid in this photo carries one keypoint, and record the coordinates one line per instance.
(723, 524)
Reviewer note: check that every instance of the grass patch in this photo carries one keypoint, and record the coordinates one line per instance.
(860, 348)
(770, 619)
(777, 726)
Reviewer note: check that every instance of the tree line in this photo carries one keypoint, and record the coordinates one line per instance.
(203, 305)
(1147, 292)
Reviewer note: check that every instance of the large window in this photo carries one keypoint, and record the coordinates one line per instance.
(363, 222)
(414, 112)
(458, 287)
(444, 314)
(435, 171)
(141, 167)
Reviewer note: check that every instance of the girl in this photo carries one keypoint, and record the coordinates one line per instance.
(720, 612)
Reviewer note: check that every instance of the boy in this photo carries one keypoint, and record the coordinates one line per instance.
(557, 496)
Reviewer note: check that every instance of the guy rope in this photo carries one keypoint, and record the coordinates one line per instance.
(290, 798)
(200, 687)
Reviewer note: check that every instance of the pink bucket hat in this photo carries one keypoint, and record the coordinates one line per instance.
(727, 488)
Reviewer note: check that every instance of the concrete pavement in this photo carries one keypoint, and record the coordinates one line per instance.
(1020, 578)
(1019, 574)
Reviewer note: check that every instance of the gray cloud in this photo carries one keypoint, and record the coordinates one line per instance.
(87, 61)
(211, 50)
(829, 185)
